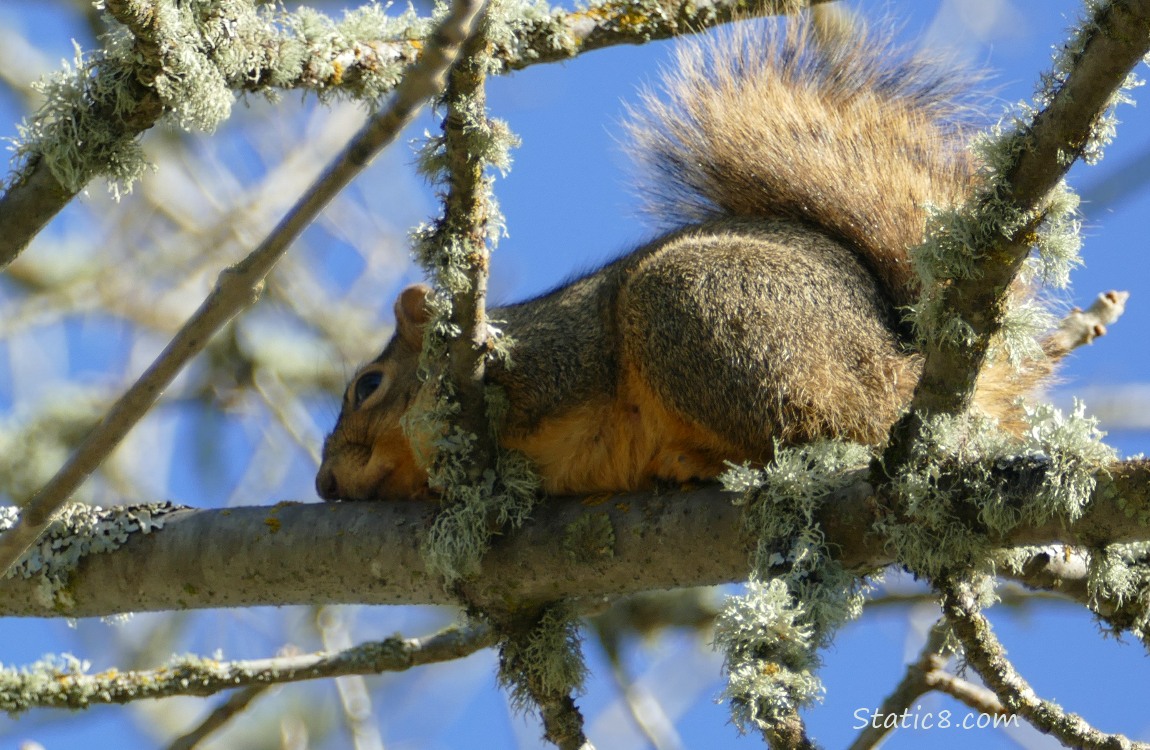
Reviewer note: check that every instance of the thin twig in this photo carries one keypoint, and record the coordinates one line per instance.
(644, 709)
(988, 657)
(1081, 327)
(354, 696)
(979, 698)
(912, 686)
(926, 674)
(288, 411)
(200, 676)
(236, 703)
(239, 286)
(1009, 595)
(645, 614)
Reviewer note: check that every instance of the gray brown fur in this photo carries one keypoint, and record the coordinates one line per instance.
(794, 180)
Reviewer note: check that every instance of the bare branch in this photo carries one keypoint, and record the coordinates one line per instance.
(239, 286)
(913, 685)
(236, 703)
(643, 615)
(926, 674)
(644, 709)
(354, 696)
(979, 698)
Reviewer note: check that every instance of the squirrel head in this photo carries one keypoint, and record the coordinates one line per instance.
(368, 456)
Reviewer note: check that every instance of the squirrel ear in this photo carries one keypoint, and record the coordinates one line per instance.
(411, 313)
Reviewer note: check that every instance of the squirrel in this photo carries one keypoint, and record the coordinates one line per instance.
(792, 176)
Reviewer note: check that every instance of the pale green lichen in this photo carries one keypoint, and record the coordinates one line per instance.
(546, 661)
(768, 654)
(461, 535)
(75, 532)
(590, 537)
(508, 491)
(1119, 587)
(1023, 327)
(948, 253)
(967, 469)
(45, 682)
(73, 136)
(64, 681)
(508, 22)
(797, 596)
(1058, 240)
(197, 54)
(351, 58)
(966, 482)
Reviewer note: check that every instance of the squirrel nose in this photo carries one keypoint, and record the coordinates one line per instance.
(326, 485)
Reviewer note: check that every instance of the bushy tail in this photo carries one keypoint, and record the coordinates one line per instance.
(847, 134)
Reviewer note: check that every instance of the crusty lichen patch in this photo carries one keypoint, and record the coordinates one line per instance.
(590, 537)
(77, 531)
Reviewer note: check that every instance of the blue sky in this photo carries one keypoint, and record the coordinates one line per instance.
(568, 208)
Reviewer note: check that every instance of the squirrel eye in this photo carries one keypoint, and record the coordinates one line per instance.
(365, 386)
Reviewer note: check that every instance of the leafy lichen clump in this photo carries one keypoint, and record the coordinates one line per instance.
(968, 483)
(1119, 587)
(796, 600)
(544, 661)
(590, 537)
(64, 681)
(954, 491)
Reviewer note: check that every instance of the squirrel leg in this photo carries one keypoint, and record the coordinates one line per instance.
(764, 333)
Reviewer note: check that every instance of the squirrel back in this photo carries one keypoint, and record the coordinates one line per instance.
(793, 177)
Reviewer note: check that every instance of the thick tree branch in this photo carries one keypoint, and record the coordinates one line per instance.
(239, 286)
(369, 552)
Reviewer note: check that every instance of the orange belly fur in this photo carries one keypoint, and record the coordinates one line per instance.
(623, 443)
